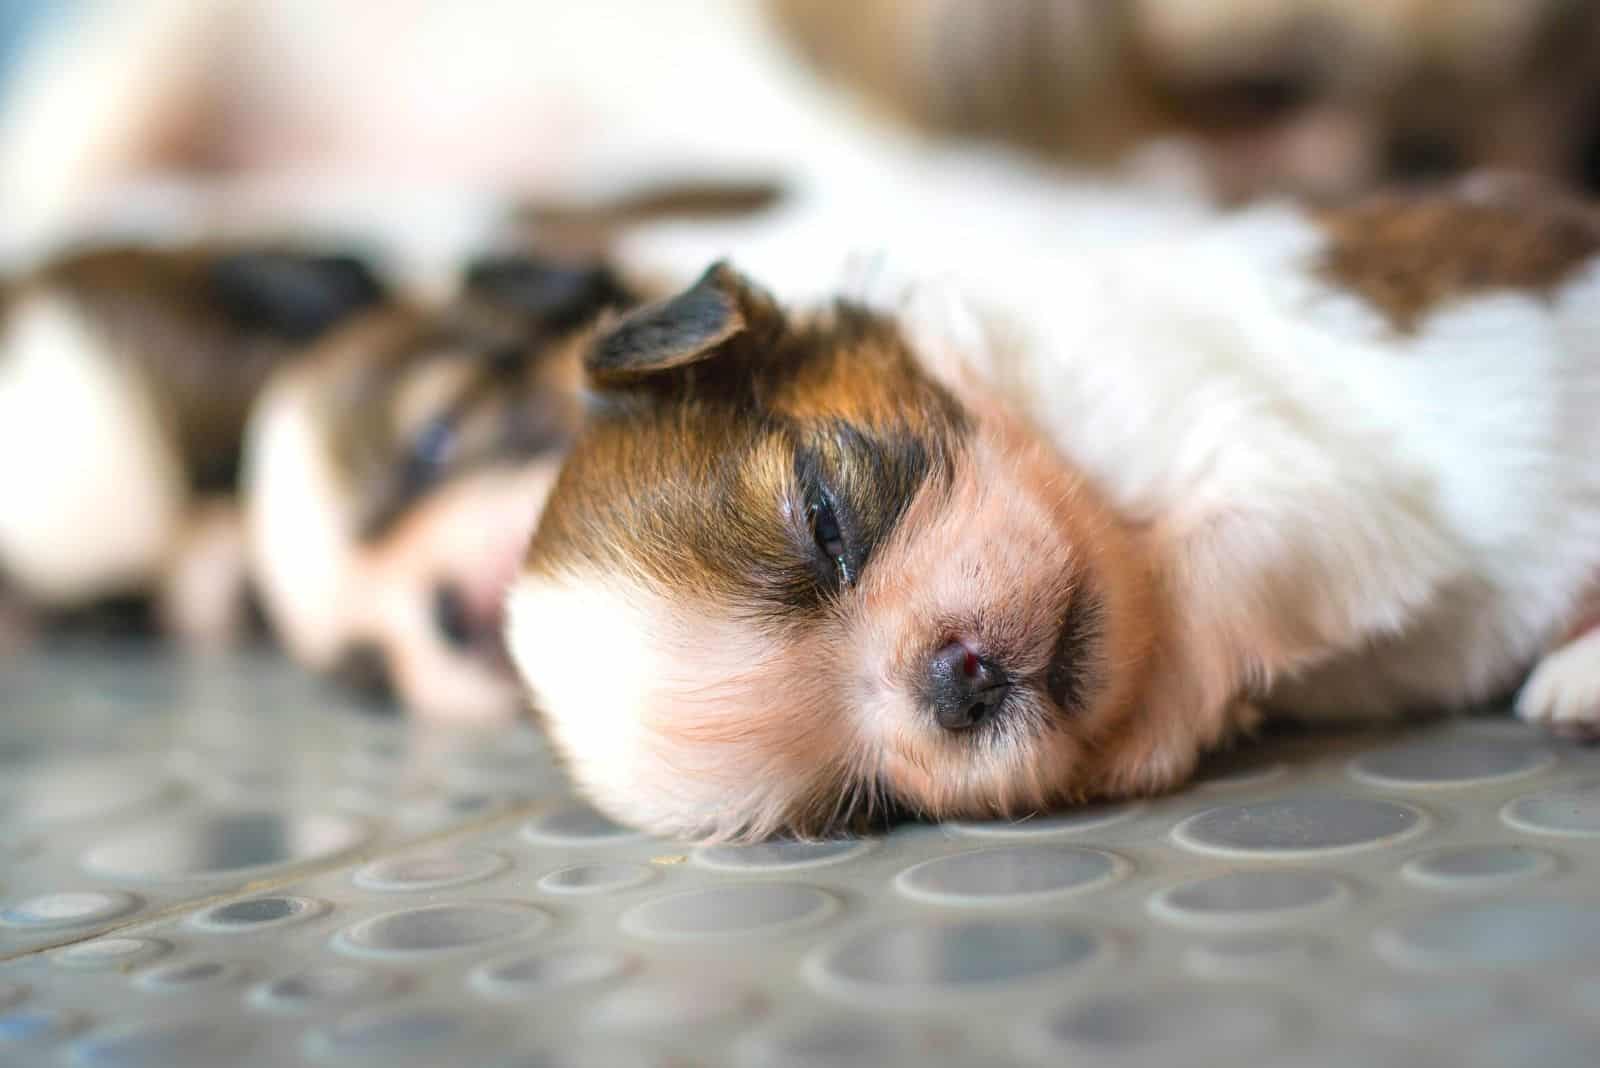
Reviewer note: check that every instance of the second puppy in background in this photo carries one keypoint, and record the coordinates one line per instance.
(393, 476)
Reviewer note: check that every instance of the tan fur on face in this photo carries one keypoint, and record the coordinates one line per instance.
(1002, 562)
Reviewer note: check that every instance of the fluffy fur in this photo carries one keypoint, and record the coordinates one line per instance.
(1176, 480)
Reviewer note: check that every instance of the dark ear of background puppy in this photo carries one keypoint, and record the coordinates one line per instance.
(289, 295)
(685, 329)
(554, 296)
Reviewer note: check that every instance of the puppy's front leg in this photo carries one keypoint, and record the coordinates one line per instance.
(1563, 693)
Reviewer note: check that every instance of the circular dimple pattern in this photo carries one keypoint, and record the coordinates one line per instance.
(823, 1043)
(1499, 934)
(676, 1007)
(430, 871)
(223, 844)
(71, 909)
(256, 913)
(120, 953)
(409, 1032)
(538, 973)
(441, 928)
(1299, 826)
(1256, 955)
(731, 911)
(1008, 875)
(1571, 811)
(1237, 768)
(575, 823)
(162, 1045)
(191, 975)
(595, 878)
(1480, 867)
(1451, 762)
(1404, 1012)
(323, 986)
(1184, 1024)
(1246, 899)
(778, 856)
(34, 1027)
(1086, 818)
(918, 959)
(1429, 897)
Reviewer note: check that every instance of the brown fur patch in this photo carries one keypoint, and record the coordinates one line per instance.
(697, 477)
(1410, 253)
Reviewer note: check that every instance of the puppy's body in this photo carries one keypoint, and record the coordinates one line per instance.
(1051, 528)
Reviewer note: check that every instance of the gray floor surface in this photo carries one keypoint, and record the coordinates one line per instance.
(221, 863)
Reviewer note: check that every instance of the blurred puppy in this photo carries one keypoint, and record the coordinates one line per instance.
(394, 476)
(125, 377)
(1321, 97)
(1050, 529)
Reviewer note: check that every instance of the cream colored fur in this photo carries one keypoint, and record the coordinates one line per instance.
(94, 490)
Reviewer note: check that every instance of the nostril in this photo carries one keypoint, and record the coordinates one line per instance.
(962, 687)
(364, 668)
(453, 616)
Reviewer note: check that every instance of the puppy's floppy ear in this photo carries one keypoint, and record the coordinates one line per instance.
(696, 324)
(553, 296)
(295, 296)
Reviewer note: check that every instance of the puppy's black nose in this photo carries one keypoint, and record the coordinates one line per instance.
(452, 616)
(364, 668)
(963, 687)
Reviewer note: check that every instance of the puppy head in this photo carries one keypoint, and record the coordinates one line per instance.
(800, 572)
(397, 474)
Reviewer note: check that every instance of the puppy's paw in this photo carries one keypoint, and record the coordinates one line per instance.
(1563, 693)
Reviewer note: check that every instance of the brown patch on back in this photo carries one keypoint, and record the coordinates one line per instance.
(1411, 253)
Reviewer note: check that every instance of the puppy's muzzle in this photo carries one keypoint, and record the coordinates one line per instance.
(962, 687)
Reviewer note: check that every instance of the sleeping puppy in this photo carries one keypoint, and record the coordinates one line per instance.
(1050, 529)
(394, 476)
(125, 378)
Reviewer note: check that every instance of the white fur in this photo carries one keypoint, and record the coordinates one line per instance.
(1563, 693)
(1432, 502)
(299, 548)
(94, 492)
(618, 646)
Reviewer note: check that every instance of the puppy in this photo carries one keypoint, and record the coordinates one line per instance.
(394, 476)
(1049, 529)
(1304, 96)
(125, 378)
